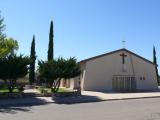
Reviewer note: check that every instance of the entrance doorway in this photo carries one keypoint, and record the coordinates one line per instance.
(123, 82)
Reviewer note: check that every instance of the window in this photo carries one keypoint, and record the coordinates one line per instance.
(142, 78)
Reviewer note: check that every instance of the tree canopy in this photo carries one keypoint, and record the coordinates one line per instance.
(12, 68)
(155, 62)
(50, 45)
(2, 28)
(55, 70)
(32, 64)
(7, 45)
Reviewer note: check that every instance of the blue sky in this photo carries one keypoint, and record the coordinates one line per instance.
(84, 28)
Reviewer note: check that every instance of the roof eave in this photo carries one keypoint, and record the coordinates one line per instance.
(98, 56)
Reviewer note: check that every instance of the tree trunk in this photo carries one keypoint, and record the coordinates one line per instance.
(56, 85)
(11, 85)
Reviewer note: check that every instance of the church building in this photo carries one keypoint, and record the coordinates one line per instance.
(118, 70)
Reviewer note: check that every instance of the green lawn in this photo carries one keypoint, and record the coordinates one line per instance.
(5, 90)
(49, 89)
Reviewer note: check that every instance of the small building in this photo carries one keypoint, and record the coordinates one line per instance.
(117, 70)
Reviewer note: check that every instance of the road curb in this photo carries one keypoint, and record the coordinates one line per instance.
(75, 101)
(101, 100)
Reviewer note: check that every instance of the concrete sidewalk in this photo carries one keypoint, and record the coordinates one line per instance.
(87, 96)
(107, 95)
(120, 96)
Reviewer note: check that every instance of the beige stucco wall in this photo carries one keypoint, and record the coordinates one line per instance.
(148, 71)
(74, 82)
(97, 73)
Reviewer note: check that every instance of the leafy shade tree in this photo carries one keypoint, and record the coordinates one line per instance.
(8, 46)
(155, 62)
(32, 64)
(50, 46)
(2, 28)
(12, 68)
(56, 70)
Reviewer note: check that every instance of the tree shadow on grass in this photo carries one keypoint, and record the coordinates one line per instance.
(77, 99)
(12, 106)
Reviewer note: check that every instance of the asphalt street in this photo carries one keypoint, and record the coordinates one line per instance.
(136, 109)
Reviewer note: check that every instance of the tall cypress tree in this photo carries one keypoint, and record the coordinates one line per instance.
(50, 46)
(155, 62)
(32, 64)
